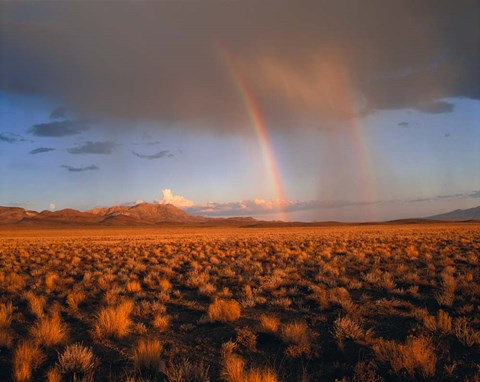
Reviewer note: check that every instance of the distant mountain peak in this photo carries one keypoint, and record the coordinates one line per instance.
(459, 215)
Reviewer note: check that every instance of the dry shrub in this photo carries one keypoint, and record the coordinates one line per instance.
(446, 295)
(224, 310)
(161, 322)
(26, 358)
(207, 289)
(51, 280)
(297, 351)
(233, 369)
(464, 332)
(49, 330)
(14, 282)
(296, 333)
(36, 304)
(417, 355)
(442, 323)
(147, 355)
(75, 298)
(348, 328)
(247, 338)
(366, 372)
(269, 323)
(6, 312)
(164, 285)
(134, 286)
(77, 363)
(6, 338)
(187, 371)
(54, 375)
(114, 321)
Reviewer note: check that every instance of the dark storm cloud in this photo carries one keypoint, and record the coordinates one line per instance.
(12, 138)
(160, 154)
(80, 169)
(41, 150)
(58, 113)
(93, 148)
(59, 128)
(171, 61)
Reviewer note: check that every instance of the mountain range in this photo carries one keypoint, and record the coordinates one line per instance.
(154, 214)
(140, 214)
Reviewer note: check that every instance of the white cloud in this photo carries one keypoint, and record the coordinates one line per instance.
(176, 200)
(52, 206)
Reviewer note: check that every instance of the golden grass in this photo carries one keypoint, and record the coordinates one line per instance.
(296, 333)
(224, 311)
(27, 357)
(49, 330)
(416, 356)
(6, 312)
(186, 370)
(134, 286)
(147, 354)
(165, 285)
(234, 370)
(269, 323)
(77, 362)
(36, 304)
(114, 321)
(75, 298)
(161, 322)
(341, 281)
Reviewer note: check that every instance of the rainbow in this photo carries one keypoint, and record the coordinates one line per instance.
(258, 124)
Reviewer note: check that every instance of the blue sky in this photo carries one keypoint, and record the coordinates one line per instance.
(100, 105)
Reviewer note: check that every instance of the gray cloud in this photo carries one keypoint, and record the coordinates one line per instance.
(12, 138)
(152, 143)
(160, 154)
(475, 194)
(439, 107)
(58, 113)
(93, 148)
(80, 169)
(172, 61)
(403, 124)
(59, 128)
(41, 150)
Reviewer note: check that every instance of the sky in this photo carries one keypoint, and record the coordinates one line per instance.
(304, 110)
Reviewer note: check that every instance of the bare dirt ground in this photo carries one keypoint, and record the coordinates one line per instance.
(347, 303)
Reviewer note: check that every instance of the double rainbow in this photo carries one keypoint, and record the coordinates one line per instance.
(253, 110)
